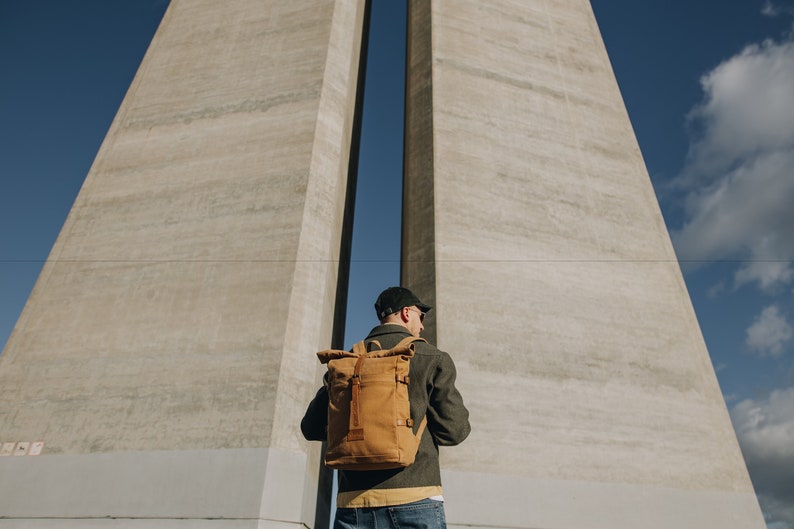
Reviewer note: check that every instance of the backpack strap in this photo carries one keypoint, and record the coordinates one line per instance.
(355, 390)
(407, 342)
(421, 429)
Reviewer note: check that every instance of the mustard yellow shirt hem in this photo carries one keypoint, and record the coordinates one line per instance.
(384, 497)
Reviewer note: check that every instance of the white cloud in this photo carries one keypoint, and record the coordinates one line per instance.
(747, 108)
(739, 176)
(769, 333)
(765, 429)
(773, 9)
(769, 9)
(768, 274)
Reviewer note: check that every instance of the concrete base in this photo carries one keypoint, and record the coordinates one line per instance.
(236, 488)
(157, 523)
(475, 501)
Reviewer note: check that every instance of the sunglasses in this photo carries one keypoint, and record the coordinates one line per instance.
(421, 314)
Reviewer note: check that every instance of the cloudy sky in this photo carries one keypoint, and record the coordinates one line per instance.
(709, 86)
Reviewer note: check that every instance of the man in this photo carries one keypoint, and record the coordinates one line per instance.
(409, 496)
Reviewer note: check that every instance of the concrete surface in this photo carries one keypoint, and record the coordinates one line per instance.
(532, 226)
(482, 500)
(173, 326)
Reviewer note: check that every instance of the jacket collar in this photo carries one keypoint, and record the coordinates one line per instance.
(389, 328)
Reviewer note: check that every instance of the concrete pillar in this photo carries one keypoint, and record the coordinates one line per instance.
(164, 357)
(532, 226)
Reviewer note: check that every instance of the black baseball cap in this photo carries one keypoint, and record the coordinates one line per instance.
(393, 299)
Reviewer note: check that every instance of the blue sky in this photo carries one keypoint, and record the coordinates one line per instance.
(709, 86)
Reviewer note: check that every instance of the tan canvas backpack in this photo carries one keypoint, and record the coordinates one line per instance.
(369, 416)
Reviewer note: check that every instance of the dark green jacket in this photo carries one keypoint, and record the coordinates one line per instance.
(432, 392)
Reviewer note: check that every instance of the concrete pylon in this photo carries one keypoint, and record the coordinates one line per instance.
(162, 356)
(530, 223)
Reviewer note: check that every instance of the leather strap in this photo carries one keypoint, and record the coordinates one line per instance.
(354, 399)
(410, 422)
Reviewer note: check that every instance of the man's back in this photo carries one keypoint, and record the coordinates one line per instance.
(432, 393)
(367, 496)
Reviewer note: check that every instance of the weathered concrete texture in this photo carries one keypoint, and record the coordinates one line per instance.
(196, 268)
(556, 286)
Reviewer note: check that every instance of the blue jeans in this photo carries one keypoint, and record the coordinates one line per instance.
(424, 514)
